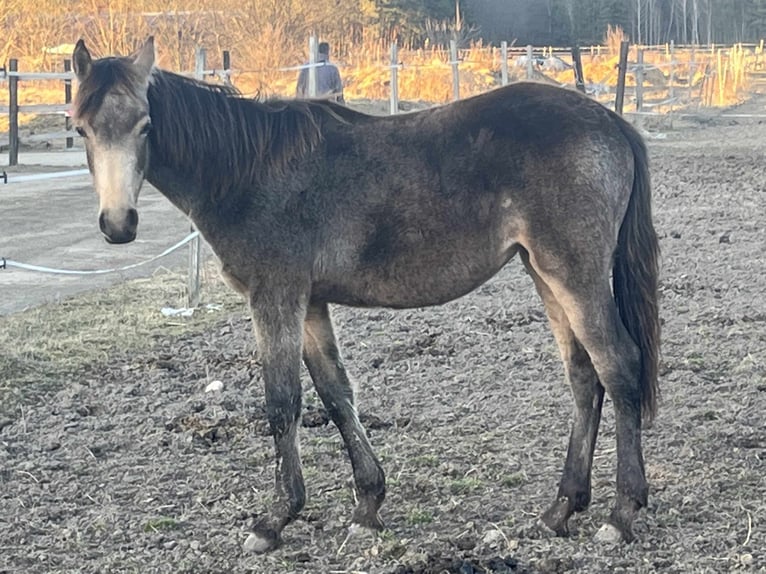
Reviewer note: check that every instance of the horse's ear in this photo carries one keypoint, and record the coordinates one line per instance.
(81, 60)
(144, 58)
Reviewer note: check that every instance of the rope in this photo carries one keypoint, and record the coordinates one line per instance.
(10, 178)
(6, 263)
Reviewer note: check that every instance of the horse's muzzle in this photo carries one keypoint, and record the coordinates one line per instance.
(121, 231)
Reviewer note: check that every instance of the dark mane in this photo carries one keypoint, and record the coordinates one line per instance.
(246, 139)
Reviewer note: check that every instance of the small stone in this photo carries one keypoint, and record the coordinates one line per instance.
(608, 534)
(169, 545)
(214, 386)
(492, 537)
(257, 544)
(194, 545)
(746, 560)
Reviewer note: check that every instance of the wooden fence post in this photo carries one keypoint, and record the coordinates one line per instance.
(195, 246)
(504, 63)
(530, 63)
(721, 76)
(68, 100)
(639, 79)
(577, 61)
(13, 112)
(394, 100)
(622, 68)
(672, 74)
(313, 57)
(692, 70)
(455, 71)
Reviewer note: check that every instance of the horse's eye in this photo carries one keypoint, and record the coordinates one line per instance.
(81, 132)
(146, 129)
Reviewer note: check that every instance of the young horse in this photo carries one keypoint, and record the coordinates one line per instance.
(308, 203)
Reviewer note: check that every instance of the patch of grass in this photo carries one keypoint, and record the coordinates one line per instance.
(387, 535)
(429, 460)
(464, 485)
(419, 516)
(514, 480)
(50, 344)
(161, 523)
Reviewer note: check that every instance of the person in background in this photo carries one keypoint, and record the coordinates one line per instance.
(328, 77)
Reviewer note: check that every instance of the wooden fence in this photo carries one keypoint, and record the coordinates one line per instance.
(15, 79)
(662, 78)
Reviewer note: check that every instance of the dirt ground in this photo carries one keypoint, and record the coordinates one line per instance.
(129, 466)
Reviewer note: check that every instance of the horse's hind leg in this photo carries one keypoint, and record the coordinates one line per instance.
(277, 320)
(574, 489)
(322, 357)
(581, 287)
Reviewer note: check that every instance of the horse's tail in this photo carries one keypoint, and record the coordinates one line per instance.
(635, 274)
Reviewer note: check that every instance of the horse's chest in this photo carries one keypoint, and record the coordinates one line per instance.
(234, 281)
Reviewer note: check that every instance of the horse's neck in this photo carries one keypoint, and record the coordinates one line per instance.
(177, 186)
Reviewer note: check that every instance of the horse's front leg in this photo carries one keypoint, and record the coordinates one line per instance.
(322, 357)
(278, 323)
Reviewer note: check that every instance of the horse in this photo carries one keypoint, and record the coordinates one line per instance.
(308, 203)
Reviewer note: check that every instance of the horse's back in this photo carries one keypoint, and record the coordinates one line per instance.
(435, 202)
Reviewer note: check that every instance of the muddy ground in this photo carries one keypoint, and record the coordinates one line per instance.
(129, 466)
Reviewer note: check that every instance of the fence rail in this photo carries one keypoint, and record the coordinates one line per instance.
(13, 77)
(688, 75)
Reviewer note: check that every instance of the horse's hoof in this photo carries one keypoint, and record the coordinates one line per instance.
(357, 531)
(366, 517)
(260, 542)
(608, 534)
(557, 517)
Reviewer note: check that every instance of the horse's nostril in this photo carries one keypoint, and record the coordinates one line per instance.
(132, 219)
(102, 222)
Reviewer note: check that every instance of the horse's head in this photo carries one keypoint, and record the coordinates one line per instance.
(111, 112)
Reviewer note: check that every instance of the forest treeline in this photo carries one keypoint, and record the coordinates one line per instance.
(272, 32)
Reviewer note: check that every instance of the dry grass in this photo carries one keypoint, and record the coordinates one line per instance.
(49, 343)
(706, 77)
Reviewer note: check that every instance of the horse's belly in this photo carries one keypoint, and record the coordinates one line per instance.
(408, 282)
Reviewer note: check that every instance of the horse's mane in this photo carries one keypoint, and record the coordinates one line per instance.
(224, 141)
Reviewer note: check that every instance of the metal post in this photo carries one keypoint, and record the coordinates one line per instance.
(577, 61)
(195, 247)
(227, 68)
(13, 112)
(530, 64)
(394, 103)
(68, 100)
(455, 71)
(313, 57)
(200, 57)
(622, 68)
(504, 62)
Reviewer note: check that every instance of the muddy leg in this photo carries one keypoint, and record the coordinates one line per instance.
(277, 326)
(575, 487)
(323, 360)
(616, 359)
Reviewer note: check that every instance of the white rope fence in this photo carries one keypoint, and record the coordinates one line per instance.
(8, 263)
(11, 178)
